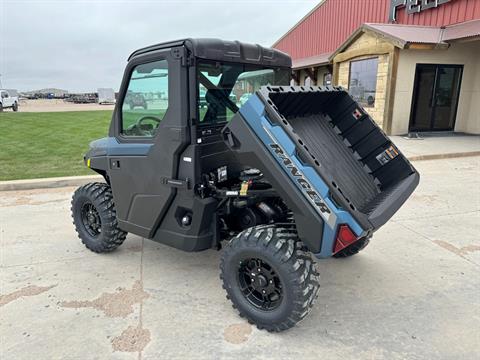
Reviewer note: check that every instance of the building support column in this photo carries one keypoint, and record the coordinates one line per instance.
(296, 76)
(335, 73)
(390, 94)
(312, 74)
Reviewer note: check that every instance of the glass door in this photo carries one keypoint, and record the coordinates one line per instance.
(435, 97)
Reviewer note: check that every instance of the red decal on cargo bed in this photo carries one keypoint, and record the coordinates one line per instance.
(357, 114)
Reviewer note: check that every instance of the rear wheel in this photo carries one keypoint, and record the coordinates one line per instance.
(353, 249)
(1, 107)
(269, 276)
(95, 219)
(15, 106)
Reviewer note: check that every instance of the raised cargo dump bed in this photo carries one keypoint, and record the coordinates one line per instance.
(351, 153)
(357, 167)
(325, 157)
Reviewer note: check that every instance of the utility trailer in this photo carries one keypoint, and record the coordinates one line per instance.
(106, 96)
(294, 174)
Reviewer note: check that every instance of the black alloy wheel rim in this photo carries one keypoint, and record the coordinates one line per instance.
(91, 219)
(260, 284)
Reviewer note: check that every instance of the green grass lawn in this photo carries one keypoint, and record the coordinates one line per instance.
(36, 145)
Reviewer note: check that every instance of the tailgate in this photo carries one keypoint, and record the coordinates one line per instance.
(333, 153)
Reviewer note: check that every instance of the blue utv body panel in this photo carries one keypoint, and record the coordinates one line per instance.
(110, 146)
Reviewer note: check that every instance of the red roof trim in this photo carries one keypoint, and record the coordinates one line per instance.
(317, 60)
(402, 35)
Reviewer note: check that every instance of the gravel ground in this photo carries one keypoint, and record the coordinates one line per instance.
(56, 105)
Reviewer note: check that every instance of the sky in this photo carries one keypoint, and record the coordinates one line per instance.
(83, 45)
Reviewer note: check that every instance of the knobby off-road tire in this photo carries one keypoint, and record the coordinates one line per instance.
(95, 218)
(15, 106)
(278, 254)
(353, 249)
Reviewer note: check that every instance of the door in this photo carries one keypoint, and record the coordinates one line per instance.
(150, 131)
(435, 97)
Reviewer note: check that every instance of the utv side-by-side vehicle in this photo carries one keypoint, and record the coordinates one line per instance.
(296, 173)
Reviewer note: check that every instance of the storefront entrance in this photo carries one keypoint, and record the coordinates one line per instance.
(435, 97)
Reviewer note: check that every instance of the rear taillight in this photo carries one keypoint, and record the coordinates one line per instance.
(345, 237)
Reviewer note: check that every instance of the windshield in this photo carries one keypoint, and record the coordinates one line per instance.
(223, 88)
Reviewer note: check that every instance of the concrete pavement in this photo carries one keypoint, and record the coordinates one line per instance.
(413, 293)
(438, 145)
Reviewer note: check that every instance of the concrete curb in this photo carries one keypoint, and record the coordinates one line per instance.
(443, 156)
(47, 183)
(56, 182)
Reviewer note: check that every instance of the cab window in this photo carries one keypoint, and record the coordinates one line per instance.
(146, 100)
(224, 87)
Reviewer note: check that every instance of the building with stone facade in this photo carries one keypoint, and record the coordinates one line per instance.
(414, 65)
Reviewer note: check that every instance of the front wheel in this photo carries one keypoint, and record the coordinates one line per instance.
(95, 218)
(269, 277)
(15, 106)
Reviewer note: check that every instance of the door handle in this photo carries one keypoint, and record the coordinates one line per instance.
(179, 184)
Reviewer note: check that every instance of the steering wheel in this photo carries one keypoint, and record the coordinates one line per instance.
(136, 128)
(146, 117)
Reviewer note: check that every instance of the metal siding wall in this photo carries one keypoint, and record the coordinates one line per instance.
(330, 25)
(447, 14)
(334, 21)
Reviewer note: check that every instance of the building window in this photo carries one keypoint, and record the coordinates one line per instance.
(363, 81)
(327, 79)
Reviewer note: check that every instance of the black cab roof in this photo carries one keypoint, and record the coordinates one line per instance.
(224, 50)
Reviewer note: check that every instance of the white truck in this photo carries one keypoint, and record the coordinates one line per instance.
(7, 101)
